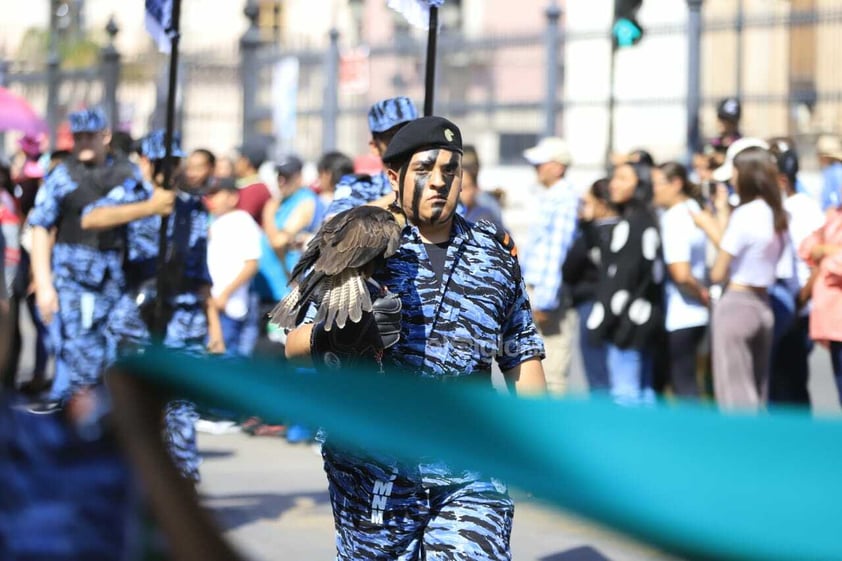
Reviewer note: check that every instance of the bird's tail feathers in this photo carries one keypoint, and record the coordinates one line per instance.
(285, 313)
(346, 297)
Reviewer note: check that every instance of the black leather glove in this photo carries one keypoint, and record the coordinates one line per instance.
(358, 344)
(387, 314)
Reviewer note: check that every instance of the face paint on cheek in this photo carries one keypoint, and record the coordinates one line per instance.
(438, 211)
(420, 182)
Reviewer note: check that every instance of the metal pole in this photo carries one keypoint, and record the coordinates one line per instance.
(53, 78)
(430, 76)
(553, 13)
(249, 44)
(694, 48)
(159, 328)
(331, 100)
(609, 145)
(111, 74)
(4, 81)
(739, 50)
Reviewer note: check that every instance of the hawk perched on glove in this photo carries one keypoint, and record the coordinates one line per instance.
(334, 268)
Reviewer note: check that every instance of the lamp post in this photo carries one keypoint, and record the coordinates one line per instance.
(53, 61)
(330, 112)
(694, 47)
(249, 44)
(111, 74)
(553, 14)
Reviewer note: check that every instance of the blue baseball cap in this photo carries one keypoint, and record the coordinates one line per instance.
(88, 120)
(153, 147)
(391, 112)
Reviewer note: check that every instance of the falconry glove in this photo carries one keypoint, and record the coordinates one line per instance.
(387, 314)
(358, 344)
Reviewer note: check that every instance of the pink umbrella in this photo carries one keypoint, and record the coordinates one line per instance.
(16, 114)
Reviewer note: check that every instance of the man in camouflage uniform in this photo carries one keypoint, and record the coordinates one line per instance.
(463, 302)
(192, 323)
(78, 283)
(385, 119)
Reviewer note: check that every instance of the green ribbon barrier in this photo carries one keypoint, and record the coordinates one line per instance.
(686, 478)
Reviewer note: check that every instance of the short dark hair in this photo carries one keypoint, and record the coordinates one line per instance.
(676, 170)
(387, 135)
(336, 164)
(211, 159)
(122, 142)
(470, 160)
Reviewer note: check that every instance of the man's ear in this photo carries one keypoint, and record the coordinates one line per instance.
(394, 178)
(374, 148)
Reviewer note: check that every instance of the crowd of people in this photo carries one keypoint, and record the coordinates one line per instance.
(661, 272)
(724, 272)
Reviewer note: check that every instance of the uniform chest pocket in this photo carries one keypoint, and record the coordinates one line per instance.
(477, 328)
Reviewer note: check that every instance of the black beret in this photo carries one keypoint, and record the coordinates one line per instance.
(423, 134)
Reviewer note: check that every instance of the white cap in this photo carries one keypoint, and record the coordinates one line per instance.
(829, 145)
(551, 149)
(724, 172)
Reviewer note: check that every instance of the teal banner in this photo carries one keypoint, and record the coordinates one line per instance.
(687, 478)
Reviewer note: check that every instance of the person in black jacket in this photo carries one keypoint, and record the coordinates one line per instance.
(581, 272)
(628, 312)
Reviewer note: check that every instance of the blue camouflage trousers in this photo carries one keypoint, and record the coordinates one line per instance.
(385, 511)
(187, 330)
(81, 345)
(63, 498)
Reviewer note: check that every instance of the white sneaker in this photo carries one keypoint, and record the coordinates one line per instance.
(217, 427)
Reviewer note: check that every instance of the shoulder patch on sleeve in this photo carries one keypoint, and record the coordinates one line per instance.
(499, 234)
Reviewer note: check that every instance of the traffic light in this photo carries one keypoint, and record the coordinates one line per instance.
(626, 31)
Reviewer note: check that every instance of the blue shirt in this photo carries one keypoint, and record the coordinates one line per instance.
(550, 237)
(272, 278)
(832, 186)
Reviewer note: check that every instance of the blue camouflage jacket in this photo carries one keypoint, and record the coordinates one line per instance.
(479, 313)
(73, 264)
(358, 189)
(142, 235)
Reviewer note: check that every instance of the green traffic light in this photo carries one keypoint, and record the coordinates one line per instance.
(626, 32)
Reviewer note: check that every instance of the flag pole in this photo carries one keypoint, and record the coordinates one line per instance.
(160, 301)
(430, 76)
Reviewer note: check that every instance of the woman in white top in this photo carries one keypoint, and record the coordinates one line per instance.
(749, 250)
(685, 290)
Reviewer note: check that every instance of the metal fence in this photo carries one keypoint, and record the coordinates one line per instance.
(784, 61)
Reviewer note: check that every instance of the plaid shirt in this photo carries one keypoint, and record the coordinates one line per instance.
(548, 242)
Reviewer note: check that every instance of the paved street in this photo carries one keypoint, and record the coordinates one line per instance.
(272, 499)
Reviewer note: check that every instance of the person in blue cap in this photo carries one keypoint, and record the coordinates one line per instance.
(192, 322)
(79, 280)
(463, 304)
(385, 119)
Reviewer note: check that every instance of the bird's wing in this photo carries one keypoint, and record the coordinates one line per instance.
(307, 259)
(359, 238)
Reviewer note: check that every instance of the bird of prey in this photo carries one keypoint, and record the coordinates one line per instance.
(334, 268)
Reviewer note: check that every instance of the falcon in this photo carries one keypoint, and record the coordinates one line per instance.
(338, 261)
